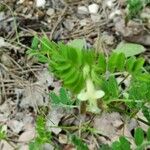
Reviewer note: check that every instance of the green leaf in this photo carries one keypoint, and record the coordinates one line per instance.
(72, 80)
(96, 77)
(63, 98)
(139, 136)
(125, 144)
(112, 62)
(88, 57)
(116, 145)
(68, 74)
(34, 145)
(148, 134)
(145, 77)
(79, 84)
(121, 62)
(35, 42)
(54, 98)
(130, 63)
(105, 147)
(42, 58)
(80, 145)
(101, 65)
(138, 65)
(135, 87)
(113, 87)
(146, 113)
(78, 43)
(129, 49)
(3, 134)
(134, 8)
(46, 44)
(63, 67)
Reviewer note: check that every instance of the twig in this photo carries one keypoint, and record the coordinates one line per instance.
(15, 23)
(143, 121)
(58, 21)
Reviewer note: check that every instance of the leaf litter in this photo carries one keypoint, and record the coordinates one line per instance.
(25, 88)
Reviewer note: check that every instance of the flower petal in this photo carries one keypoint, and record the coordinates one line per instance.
(99, 94)
(83, 96)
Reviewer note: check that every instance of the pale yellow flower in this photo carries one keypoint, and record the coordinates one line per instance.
(91, 95)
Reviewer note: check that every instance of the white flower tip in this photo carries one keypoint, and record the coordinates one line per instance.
(40, 3)
(99, 94)
(82, 96)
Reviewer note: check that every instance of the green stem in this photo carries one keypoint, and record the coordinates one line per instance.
(123, 100)
(144, 145)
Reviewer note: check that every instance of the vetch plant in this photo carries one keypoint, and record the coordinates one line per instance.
(134, 7)
(90, 94)
(93, 77)
(43, 136)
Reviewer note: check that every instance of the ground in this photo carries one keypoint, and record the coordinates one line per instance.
(25, 83)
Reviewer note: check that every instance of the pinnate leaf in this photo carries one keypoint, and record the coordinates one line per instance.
(139, 136)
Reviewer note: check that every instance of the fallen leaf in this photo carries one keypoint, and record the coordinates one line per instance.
(15, 126)
(129, 49)
(5, 146)
(108, 124)
(54, 118)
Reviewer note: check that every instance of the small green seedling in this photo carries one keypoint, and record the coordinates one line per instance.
(135, 7)
(3, 134)
(43, 136)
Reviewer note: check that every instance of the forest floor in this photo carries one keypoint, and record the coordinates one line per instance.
(25, 83)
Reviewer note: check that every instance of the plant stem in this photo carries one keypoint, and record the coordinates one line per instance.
(143, 121)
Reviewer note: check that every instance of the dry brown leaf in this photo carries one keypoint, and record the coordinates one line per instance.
(5, 146)
(15, 126)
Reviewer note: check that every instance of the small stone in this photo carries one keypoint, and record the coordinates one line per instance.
(63, 139)
(47, 146)
(20, 2)
(114, 14)
(93, 8)
(83, 22)
(68, 24)
(108, 39)
(95, 17)
(5, 59)
(110, 3)
(50, 12)
(40, 3)
(83, 10)
(2, 16)
(27, 136)
(15, 126)
(117, 123)
(98, 1)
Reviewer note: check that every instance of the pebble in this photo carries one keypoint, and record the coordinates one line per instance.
(83, 22)
(93, 8)
(40, 3)
(68, 24)
(110, 3)
(20, 2)
(114, 14)
(2, 15)
(50, 12)
(83, 10)
(95, 17)
(108, 39)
